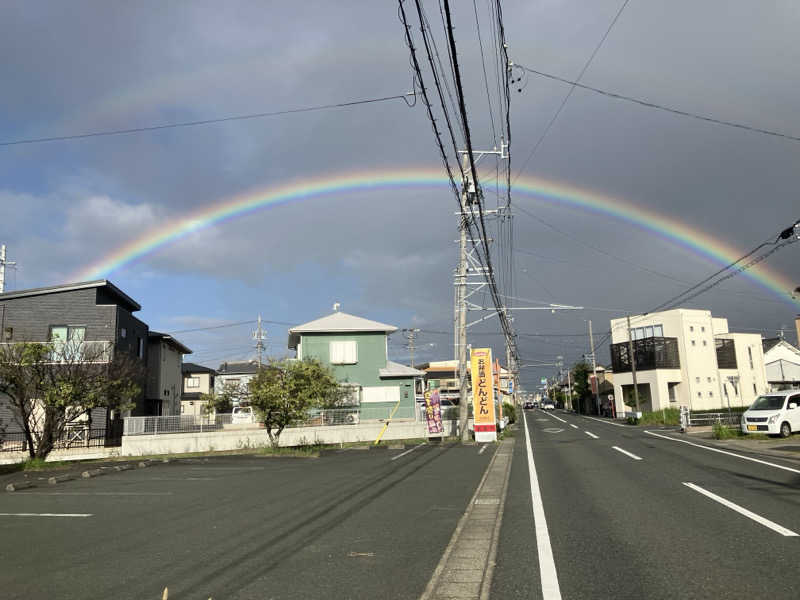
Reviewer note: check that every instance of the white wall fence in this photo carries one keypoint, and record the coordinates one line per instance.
(176, 435)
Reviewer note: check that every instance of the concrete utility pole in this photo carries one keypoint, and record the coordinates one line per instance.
(259, 335)
(632, 358)
(411, 336)
(594, 370)
(468, 192)
(3, 264)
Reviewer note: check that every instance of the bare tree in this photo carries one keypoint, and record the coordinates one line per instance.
(50, 386)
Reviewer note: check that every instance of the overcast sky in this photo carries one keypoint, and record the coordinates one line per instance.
(388, 255)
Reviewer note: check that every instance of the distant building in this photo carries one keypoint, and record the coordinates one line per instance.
(356, 350)
(685, 358)
(164, 374)
(234, 374)
(782, 362)
(197, 380)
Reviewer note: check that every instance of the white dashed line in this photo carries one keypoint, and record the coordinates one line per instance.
(606, 421)
(408, 451)
(571, 425)
(547, 565)
(558, 418)
(626, 453)
(756, 460)
(591, 435)
(743, 511)
(482, 449)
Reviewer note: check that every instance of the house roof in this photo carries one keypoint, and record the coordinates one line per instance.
(770, 343)
(394, 369)
(165, 337)
(245, 367)
(337, 322)
(121, 296)
(189, 367)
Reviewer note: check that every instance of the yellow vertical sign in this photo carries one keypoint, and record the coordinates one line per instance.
(483, 395)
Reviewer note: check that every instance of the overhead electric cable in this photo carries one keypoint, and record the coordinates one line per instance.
(571, 89)
(76, 136)
(656, 106)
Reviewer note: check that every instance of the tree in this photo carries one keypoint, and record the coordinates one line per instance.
(580, 378)
(50, 386)
(283, 392)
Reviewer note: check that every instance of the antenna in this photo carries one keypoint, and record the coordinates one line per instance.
(259, 335)
(3, 264)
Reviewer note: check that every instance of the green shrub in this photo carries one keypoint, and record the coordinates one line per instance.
(672, 415)
(510, 411)
(724, 432)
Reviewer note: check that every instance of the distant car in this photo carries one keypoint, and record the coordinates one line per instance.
(242, 414)
(776, 413)
(528, 405)
(548, 405)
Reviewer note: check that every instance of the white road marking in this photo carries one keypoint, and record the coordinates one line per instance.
(408, 451)
(79, 515)
(547, 566)
(591, 435)
(626, 453)
(482, 449)
(93, 494)
(558, 418)
(756, 460)
(743, 511)
(571, 425)
(606, 421)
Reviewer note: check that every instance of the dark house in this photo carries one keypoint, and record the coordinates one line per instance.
(93, 313)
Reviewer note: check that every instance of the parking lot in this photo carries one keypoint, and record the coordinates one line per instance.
(350, 524)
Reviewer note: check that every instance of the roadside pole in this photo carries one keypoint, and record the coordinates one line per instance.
(632, 358)
(594, 371)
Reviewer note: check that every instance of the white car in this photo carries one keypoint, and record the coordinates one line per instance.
(242, 414)
(776, 413)
(548, 405)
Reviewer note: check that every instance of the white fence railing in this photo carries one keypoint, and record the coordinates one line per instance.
(315, 418)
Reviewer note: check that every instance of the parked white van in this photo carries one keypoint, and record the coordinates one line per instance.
(776, 413)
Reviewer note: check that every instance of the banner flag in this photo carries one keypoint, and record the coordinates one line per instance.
(433, 413)
(483, 395)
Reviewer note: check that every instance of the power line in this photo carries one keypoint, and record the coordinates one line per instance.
(76, 136)
(571, 89)
(648, 104)
(226, 325)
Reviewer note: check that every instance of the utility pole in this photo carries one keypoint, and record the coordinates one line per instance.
(594, 370)
(259, 335)
(632, 358)
(411, 336)
(3, 264)
(467, 194)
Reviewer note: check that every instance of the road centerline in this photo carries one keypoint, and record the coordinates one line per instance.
(743, 511)
(604, 421)
(626, 453)
(547, 565)
(75, 515)
(591, 435)
(574, 426)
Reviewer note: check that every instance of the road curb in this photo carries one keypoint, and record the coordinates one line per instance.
(92, 473)
(20, 485)
(60, 478)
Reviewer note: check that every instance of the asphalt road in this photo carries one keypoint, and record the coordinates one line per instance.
(354, 524)
(626, 528)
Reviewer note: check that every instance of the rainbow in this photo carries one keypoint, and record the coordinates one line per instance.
(677, 232)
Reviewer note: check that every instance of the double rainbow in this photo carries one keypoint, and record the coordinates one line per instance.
(677, 232)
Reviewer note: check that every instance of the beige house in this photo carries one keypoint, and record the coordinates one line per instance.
(685, 358)
(197, 380)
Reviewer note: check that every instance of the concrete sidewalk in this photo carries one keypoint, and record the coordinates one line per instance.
(466, 568)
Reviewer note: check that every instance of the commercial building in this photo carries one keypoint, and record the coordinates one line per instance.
(685, 358)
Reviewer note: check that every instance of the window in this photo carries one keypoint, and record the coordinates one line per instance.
(754, 389)
(697, 380)
(699, 394)
(691, 327)
(230, 383)
(708, 379)
(694, 343)
(380, 394)
(658, 331)
(710, 394)
(9, 333)
(702, 329)
(344, 352)
(705, 343)
(750, 355)
(640, 333)
(67, 333)
(123, 333)
(192, 382)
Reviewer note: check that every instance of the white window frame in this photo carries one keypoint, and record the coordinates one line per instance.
(343, 352)
(192, 382)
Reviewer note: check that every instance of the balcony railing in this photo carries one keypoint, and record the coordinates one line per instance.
(651, 353)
